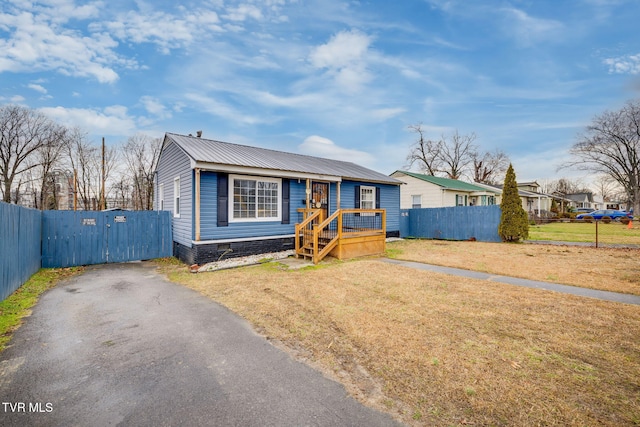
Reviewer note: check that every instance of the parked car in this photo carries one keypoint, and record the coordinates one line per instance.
(584, 210)
(600, 213)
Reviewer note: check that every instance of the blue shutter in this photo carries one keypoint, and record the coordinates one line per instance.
(223, 200)
(285, 200)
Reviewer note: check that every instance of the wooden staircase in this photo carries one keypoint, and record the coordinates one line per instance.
(315, 239)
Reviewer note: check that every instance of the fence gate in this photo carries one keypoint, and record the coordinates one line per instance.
(89, 237)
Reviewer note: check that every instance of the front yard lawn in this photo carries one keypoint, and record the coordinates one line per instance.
(607, 269)
(442, 350)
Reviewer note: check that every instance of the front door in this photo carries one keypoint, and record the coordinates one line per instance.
(320, 198)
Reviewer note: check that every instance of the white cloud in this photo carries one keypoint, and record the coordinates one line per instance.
(165, 30)
(627, 64)
(225, 111)
(36, 43)
(528, 29)
(155, 107)
(387, 113)
(37, 88)
(343, 50)
(243, 12)
(345, 57)
(323, 147)
(112, 120)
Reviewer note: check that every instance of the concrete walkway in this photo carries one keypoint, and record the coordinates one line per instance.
(120, 345)
(573, 290)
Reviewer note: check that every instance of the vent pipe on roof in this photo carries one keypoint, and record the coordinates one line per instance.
(199, 133)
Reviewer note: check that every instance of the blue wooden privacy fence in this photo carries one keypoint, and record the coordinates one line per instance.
(454, 223)
(90, 237)
(19, 246)
(31, 239)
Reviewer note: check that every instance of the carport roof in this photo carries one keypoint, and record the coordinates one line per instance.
(214, 152)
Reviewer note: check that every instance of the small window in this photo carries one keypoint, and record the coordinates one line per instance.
(367, 199)
(416, 201)
(176, 197)
(161, 197)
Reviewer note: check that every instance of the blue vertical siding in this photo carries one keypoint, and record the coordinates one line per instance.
(452, 223)
(89, 237)
(20, 230)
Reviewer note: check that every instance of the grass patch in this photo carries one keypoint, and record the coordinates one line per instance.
(435, 349)
(18, 304)
(613, 233)
(607, 269)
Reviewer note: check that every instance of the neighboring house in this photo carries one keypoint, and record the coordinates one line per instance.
(533, 201)
(585, 200)
(427, 191)
(233, 200)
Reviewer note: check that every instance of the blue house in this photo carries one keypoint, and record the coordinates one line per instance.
(231, 200)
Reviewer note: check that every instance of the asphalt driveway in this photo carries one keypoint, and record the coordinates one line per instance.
(120, 345)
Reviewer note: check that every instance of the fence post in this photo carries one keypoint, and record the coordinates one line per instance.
(596, 221)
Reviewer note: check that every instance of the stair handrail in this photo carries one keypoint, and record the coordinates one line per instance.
(317, 230)
(302, 226)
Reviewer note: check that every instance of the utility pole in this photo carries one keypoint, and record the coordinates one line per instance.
(103, 201)
(75, 189)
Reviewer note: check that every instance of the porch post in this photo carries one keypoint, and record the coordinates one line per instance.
(197, 204)
(338, 195)
(308, 192)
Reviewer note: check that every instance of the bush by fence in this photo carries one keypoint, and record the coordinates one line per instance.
(453, 223)
(20, 231)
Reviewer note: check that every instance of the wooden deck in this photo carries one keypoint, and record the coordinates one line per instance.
(347, 233)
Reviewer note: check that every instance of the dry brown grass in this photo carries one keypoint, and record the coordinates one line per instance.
(616, 270)
(440, 350)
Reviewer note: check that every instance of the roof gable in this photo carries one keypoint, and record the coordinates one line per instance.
(202, 150)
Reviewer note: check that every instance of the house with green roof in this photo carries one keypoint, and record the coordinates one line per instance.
(427, 191)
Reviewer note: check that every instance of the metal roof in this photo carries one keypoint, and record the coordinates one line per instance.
(213, 152)
(451, 184)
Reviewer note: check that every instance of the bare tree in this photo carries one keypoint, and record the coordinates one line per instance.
(606, 187)
(85, 158)
(457, 154)
(489, 167)
(22, 133)
(141, 154)
(425, 152)
(48, 161)
(610, 145)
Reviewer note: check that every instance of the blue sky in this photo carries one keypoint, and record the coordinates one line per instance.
(332, 78)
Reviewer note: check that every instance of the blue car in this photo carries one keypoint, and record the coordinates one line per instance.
(611, 213)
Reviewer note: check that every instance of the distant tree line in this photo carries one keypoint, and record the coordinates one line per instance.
(609, 148)
(455, 156)
(44, 164)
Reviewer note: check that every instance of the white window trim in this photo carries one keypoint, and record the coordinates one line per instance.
(176, 197)
(161, 197)
(232, 178)
(373, 193)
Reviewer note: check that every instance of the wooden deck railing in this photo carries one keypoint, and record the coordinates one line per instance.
(317, 239)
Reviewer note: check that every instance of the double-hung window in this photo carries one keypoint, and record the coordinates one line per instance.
(367, 198)
(254, 199)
